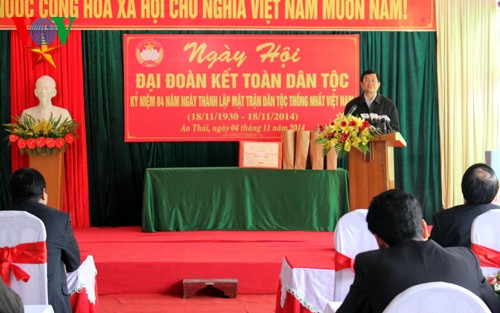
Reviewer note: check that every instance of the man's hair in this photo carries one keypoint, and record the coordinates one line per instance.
(26, 183)
(395, 216)
(479, 184)
(368, 72)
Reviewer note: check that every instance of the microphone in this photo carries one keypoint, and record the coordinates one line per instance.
(354, 107)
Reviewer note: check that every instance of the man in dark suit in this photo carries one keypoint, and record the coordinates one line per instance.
(405, 259)
(28, 193)
(9, 300)
(373, 102)
(452, 227)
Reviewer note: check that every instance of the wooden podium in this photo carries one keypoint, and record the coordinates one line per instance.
(52, 169)
(372, 173)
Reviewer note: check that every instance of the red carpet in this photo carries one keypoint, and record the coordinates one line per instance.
(129, 261)
(156, 303)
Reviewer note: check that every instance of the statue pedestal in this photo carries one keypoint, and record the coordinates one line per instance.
(52, 169)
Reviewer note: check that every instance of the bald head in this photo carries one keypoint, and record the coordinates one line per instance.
(45, 89)
(479, 184)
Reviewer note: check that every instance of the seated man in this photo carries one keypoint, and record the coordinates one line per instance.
(10, 302)
(405, 259)
(28, 193)
(452, 227)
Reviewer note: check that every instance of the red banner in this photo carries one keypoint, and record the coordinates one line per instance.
(227, 14)
(235, 87)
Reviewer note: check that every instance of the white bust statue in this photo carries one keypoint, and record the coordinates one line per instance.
(45, 90)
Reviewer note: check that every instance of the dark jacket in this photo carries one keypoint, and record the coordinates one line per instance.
(382, 274)
(452, 227)
(380, 105)
(9, 300)
(62, 250)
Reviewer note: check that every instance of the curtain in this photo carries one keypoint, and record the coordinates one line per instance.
(406, 61)
(69, 79)
(5, 164)
(468, 81)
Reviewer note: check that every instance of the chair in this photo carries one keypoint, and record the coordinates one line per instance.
(436, 297)
(310, 287)
(38, 308)
(485, 239)
(351, 237)
(23, 255)
(82, 286)
(332, 307)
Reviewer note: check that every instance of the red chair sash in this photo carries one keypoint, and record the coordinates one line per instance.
(487, 256)
(343, 262)
(27, 253)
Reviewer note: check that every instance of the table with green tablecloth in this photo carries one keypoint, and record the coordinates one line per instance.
(232, 198)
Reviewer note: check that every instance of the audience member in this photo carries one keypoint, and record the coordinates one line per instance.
(373, 102)
(452, 227)
(28, 193)
(9, 300)
(405, 259)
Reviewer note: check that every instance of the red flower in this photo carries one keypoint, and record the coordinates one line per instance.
(40, 142)
(352, 123)
(31, 143)
(21, 143)
(365, 125)
(321, 128)
(343, 123)
(491, 279)
(50, 142)
(13, 138)
(60, 143)
(69, 138)
(344, 137)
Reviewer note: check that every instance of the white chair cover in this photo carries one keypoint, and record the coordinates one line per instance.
(18, 227)
(332, 307)
(351, 237)
(312, 287)
(83, 279)
(485, 232)
(437, 297)
(38, 308)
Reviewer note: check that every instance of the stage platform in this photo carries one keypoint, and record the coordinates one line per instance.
(129, 261)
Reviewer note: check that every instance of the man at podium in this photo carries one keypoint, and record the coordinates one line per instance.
(373, 102)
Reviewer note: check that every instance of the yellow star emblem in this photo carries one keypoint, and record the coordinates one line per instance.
(44, 53)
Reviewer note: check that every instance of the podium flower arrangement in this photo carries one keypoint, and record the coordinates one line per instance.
(346, 133)
(494, 282)
(41, 136)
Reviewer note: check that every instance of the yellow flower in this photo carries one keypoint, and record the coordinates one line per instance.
(42, 127)
(53, 129)
(345, 133)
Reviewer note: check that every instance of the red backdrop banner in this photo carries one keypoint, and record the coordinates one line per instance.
(235, 87)
(229, 14)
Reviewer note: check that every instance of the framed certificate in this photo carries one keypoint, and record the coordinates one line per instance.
(260, 154)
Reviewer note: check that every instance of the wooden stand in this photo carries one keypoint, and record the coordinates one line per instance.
(52, 169)
(228, 285)
(372, 173)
